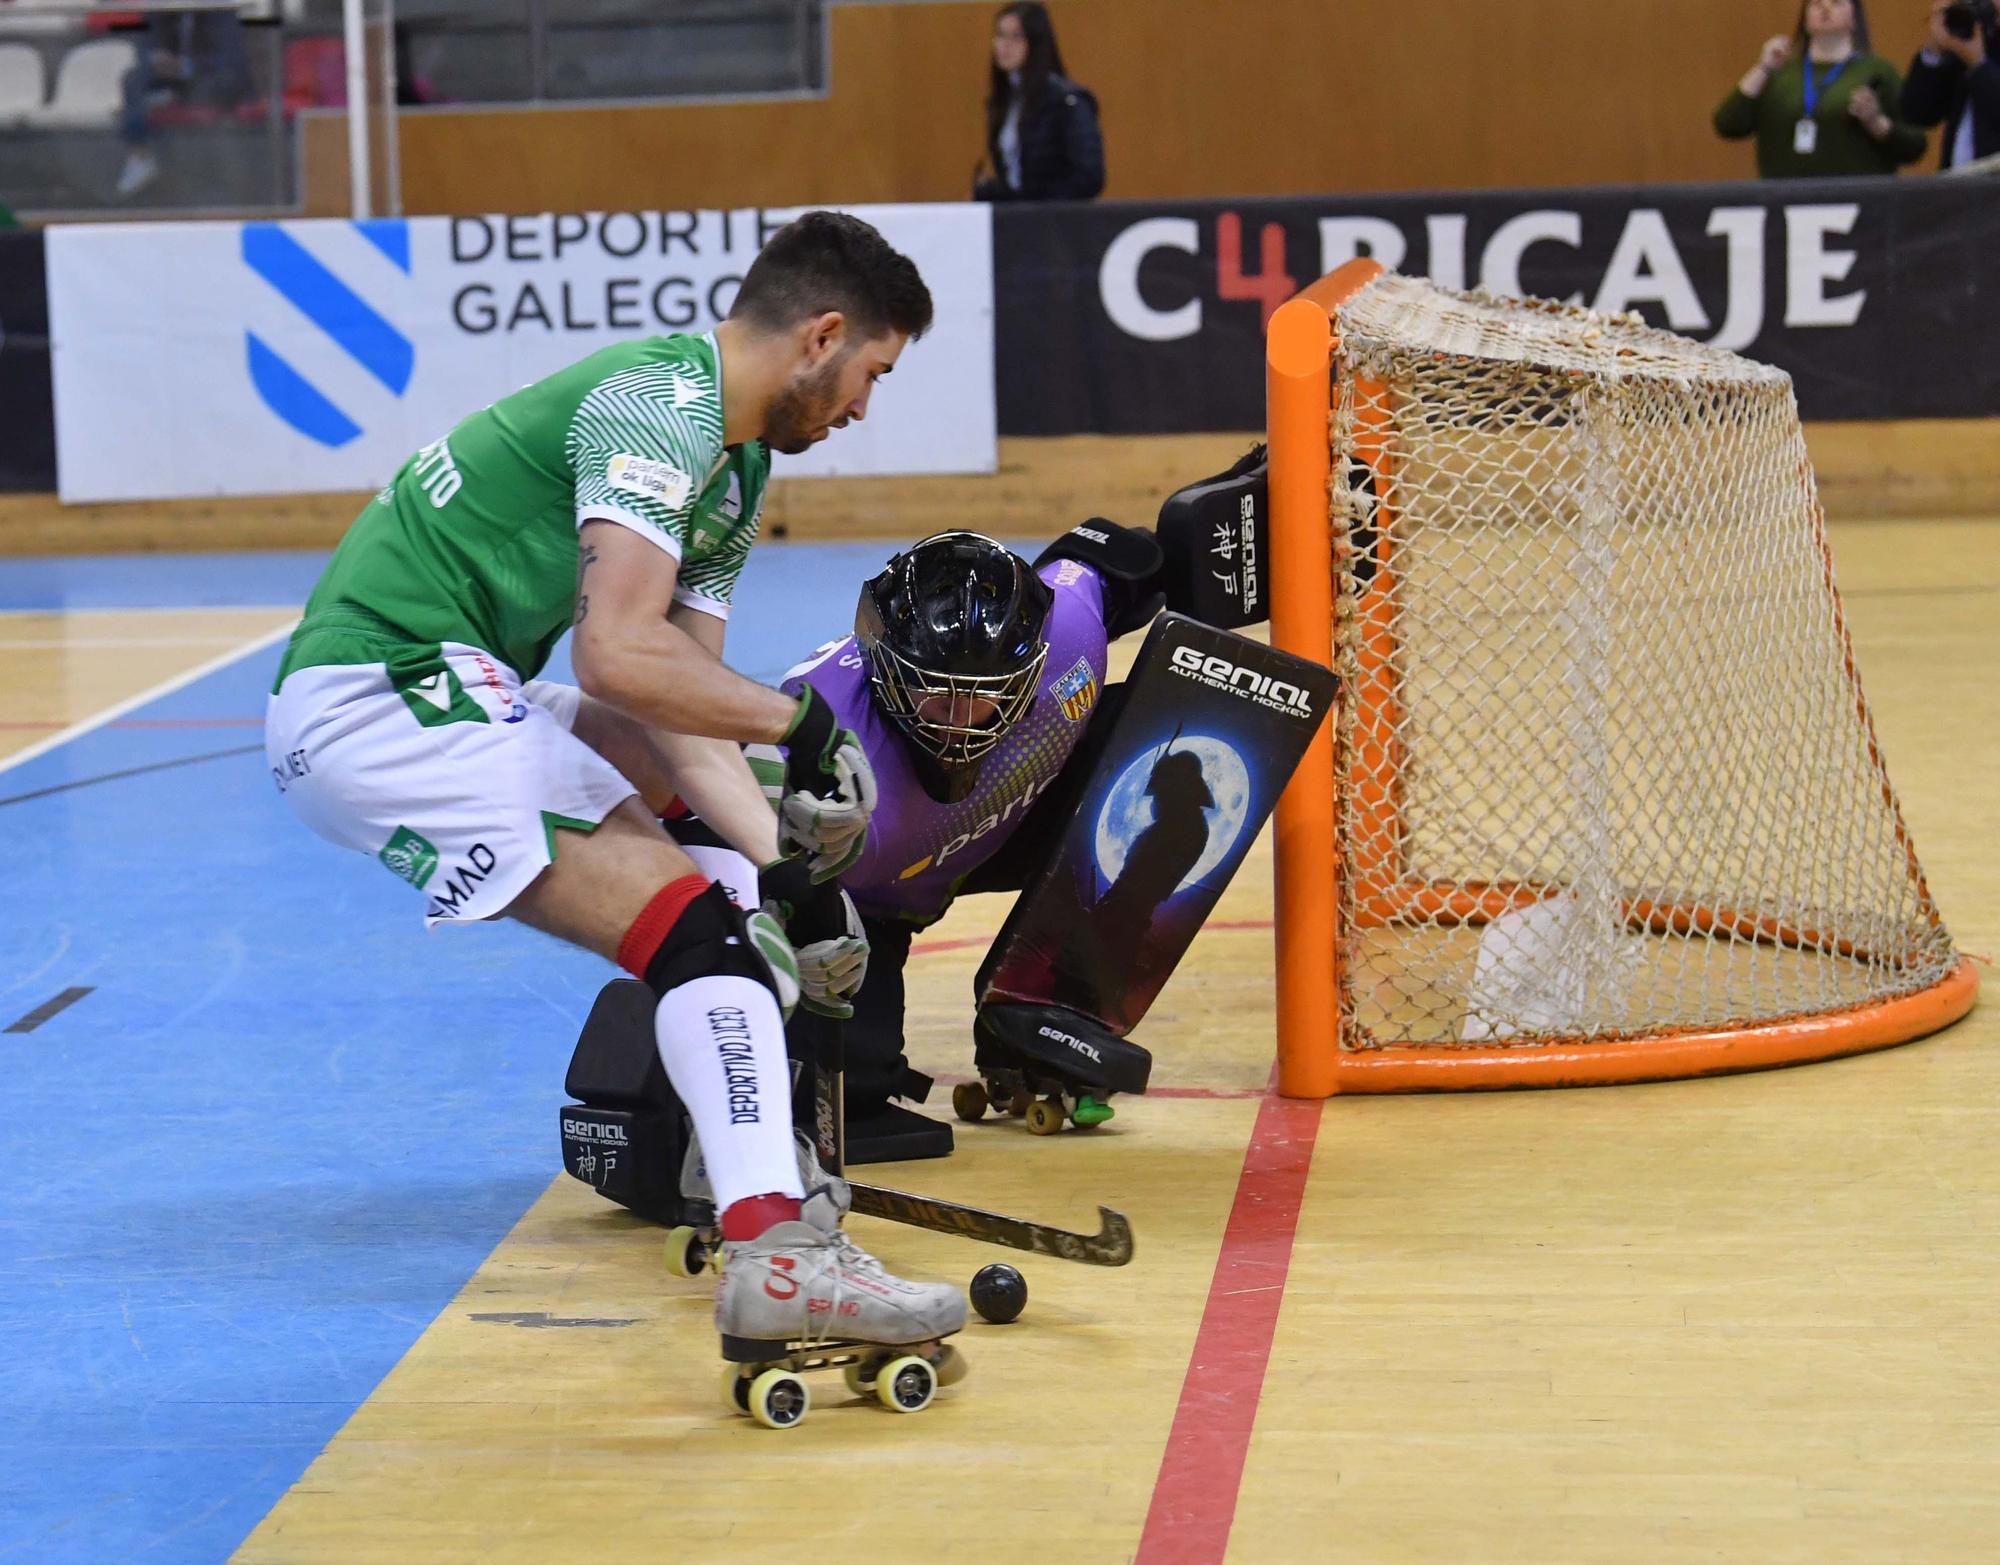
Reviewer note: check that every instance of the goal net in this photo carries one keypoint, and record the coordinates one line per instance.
(1600, 799)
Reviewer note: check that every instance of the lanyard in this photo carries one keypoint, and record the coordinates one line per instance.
(1814, 87)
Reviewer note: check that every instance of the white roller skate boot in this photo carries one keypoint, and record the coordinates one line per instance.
(801, 1297)
(696, 1244)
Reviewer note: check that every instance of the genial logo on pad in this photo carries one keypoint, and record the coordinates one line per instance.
(336, 350)
(1076, 691)
(1218, 673)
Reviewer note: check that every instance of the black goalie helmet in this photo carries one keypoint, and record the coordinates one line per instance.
(953, 630)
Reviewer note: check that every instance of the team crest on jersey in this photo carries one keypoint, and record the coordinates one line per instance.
(1069, 573)
(1077, 691)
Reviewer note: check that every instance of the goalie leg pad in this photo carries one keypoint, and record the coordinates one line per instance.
(1050, 1040)
(627, 1136)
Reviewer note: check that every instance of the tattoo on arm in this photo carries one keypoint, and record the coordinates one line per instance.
(586, 556)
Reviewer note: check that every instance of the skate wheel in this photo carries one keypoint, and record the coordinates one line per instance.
(860, 1378)
(1091, 1112)
(1045, 1117)
(779, 1399)
(906, 1385)
(735, 1389)
(968, 1101)
(686, 1253)
(1018, 1102)
(950, 1365)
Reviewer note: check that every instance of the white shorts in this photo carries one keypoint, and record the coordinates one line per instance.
(454, 776)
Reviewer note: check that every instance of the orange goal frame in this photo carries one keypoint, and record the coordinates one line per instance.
(1300, 346)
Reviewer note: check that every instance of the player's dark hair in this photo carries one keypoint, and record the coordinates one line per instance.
(1860, 28)
(830, 261)
(1044, 60)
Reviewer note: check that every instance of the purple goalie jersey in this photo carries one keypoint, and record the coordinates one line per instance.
(918, 849)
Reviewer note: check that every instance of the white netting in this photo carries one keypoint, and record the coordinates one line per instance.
(1603, 766)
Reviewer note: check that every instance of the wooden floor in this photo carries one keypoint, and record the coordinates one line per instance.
(1747, 1319)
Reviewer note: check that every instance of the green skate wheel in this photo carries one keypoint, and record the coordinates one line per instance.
(779, 1399)
(1092, 1112)
(968, 1101)
(906, 1385)
(686, 1253)
(1045, 1117)
(735, 1389)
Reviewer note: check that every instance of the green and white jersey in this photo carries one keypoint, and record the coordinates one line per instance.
(475, 539)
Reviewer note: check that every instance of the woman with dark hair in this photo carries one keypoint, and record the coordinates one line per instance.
(1819, 103)
(1042, 139)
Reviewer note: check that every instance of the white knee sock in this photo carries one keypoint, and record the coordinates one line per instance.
(723, 1044)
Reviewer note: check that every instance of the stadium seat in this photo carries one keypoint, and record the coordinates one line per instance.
(20, 82)
(89, 84)
(315, 74)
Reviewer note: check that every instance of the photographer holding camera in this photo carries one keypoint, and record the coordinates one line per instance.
(1955, 80)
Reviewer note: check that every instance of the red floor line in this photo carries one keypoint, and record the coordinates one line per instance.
(932, 947)
(1194, 1497)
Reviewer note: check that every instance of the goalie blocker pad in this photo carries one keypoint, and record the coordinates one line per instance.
(1212, 534)
(1170, 792)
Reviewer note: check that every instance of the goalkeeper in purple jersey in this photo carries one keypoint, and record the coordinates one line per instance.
(969, 681)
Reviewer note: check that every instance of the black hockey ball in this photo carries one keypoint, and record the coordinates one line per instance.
(999, 1293)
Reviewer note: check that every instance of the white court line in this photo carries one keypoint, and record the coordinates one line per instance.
(165, 687)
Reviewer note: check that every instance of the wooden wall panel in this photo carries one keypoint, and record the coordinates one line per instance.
(1200, 97)
(1871, 470)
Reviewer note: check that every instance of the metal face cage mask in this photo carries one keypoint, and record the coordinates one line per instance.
(954, 619)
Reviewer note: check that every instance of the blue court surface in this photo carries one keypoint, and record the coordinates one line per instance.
(242, 1174)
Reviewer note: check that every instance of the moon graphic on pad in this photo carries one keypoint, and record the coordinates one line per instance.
(1128, 809)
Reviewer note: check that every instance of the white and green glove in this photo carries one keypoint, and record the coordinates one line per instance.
(827, 792)
(826, 935)
(767, 939)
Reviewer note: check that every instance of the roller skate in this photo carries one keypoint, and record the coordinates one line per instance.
(798, 1299)
(1049, 1066)
(695, 1244)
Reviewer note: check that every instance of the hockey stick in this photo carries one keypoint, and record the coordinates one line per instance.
(1111, 1245)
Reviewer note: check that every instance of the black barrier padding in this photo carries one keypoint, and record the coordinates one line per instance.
(1168, 336)
(27, 400)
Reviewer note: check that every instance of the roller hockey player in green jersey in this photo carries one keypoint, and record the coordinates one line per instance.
(621, 496)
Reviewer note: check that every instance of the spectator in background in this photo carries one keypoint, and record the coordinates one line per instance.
(1955, 80)
(1042, 138)
(1819, 103)
(191, 57)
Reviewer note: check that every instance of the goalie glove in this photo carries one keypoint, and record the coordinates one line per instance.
(1128, 562)
(825, 933)
(828, 791)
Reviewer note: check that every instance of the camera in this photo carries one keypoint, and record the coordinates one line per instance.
(1963, 18)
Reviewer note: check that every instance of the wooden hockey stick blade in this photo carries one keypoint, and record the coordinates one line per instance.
(1111, 1245)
